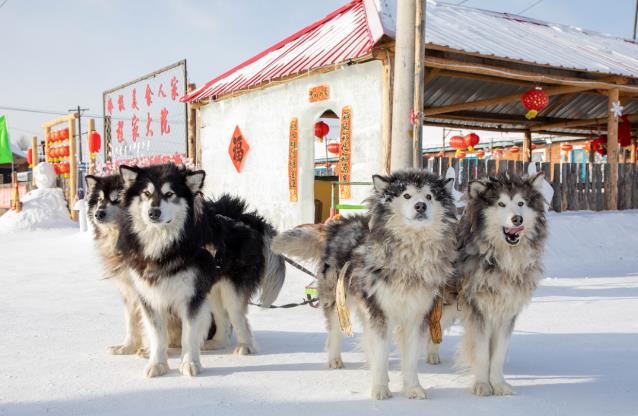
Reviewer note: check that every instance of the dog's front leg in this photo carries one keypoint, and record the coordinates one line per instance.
(155, 322)
(409, 342)
(500, 343)
(194, 328)
(133, 340)
(480, 340)
(333, 342)
(377, 342)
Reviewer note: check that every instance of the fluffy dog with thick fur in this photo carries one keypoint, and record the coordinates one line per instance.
(501, 239)
(395, 260)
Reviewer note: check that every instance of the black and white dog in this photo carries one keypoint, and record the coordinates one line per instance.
(395, 260)
(177, 245)
(501, 239)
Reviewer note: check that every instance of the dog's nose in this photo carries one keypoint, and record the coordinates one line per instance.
(420, 207)
(154, 214)
(100, 214)
(517, 220)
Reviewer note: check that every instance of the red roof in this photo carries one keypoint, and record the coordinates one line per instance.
(347, 33)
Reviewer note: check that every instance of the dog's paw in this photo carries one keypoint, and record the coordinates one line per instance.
(156, 370)
(335, 363)
(190, 368)
(125, 349)
(482, 389)
(214, 344)
(245, 349)
(143, 352)
(416, 392)
(381, 393)
(433, 358)
(502, 389)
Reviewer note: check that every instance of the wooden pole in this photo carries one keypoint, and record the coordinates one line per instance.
(34, 157)
(90, 130)
(632, 156)
(17, 205)
(403, 90)
(387, 111)
(612, 151)
(192, 129)
(47, 130)
(527, 146)
(73, 165)
(419, 82)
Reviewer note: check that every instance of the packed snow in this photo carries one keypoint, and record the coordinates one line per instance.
(573, 352)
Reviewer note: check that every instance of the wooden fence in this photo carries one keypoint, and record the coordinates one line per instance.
(577, 186)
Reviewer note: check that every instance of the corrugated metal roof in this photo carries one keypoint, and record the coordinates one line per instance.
(351, 31)
(347, 33)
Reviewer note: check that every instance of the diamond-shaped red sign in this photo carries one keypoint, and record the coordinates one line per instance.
(238, 148)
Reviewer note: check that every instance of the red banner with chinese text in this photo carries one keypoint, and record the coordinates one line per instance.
(345, 136)
(293, 149)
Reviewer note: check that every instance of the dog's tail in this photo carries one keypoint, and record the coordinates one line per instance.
(274, 273)
(304, 242)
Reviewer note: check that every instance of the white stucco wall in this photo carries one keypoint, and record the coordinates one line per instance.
(264, 117)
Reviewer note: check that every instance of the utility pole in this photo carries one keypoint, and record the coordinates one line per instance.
(419, 80)
(635, 19)
(403, 91)
(79, 112)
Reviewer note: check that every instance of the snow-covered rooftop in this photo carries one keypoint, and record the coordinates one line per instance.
(352, 31)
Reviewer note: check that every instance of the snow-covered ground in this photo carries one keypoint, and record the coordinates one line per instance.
(574, 351)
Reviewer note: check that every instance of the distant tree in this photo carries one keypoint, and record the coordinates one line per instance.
(23, 143)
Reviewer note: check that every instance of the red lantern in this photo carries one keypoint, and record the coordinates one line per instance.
(95, 142)
(534, 101)
(460, 155)
(480, 154)
(599, 145)
(515, 149)
(30, 156)
(333, 148)
(566, 147)
(64, 133)
(457, 142)
(66, 151)
(321, 129)
(471, 140)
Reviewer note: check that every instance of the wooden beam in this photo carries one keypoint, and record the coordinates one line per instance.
(577, 123)
(431, 74)
(557, 103)
(497, 100)
(500, 72)
(419, 83)
(471, 126)
(387, 111)
(486, 78)
(612, 151)
(59, 120)
(192, 128)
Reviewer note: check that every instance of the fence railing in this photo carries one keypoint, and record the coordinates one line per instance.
(577, 186)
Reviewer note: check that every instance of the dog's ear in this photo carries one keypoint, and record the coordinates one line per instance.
(195, 180)
(476, 188)
(536, 181)
(448, 184)
(91, 181)
(128, 174)
(380, 183)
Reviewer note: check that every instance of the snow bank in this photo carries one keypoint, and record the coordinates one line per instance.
(589, 244)
(42, 209)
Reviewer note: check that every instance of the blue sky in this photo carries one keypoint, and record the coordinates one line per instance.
(58, 54)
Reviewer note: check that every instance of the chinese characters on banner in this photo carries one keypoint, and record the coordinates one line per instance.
(293, 147)
(344, 151)
(147, 119)
(237, 149)
(318, 93)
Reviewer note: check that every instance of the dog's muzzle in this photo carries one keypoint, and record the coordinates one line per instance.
(513, 234)
(100, 215)
(154, 214)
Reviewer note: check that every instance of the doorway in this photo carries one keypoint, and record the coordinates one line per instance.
(326, 158)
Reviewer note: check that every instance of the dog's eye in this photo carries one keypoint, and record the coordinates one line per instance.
(520, 204)
(502, 205)
(169, 194)
(407, 196)
(147, 194)
(428, 197)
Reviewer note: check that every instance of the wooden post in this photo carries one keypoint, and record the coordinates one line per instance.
(403, 89)
(419, 81)
(387, 111)
(90, 130)
(73, 168)
(527, 146)
(47, 130)
(192, 128)
(612, 151)
(34, 157)
(17, 205)
(632, 157)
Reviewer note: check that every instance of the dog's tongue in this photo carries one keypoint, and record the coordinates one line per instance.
(515, 230)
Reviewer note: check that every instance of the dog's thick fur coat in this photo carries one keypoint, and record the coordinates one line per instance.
(397, 259)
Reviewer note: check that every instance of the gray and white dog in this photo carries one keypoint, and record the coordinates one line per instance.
(501, 239)
(394, 260)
